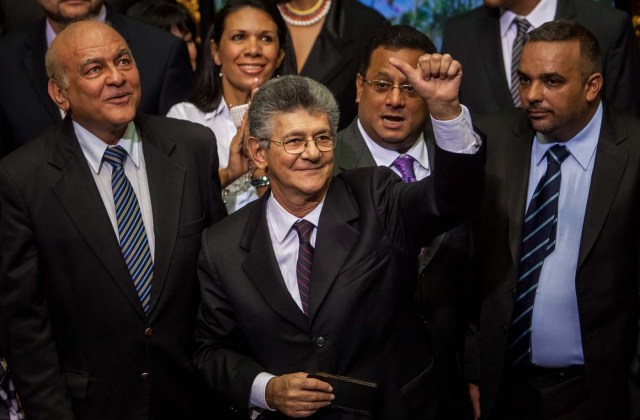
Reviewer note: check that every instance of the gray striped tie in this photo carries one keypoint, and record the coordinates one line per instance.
(523, 26)
(133, 237)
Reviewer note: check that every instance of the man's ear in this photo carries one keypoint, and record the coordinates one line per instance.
(257, 153)
(59, 95)
(593, 87)
(359, 86)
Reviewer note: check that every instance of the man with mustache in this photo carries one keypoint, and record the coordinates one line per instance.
(393, 126)
(558, 244)
(100, 222)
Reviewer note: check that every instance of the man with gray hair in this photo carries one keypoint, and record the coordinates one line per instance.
(317, 276)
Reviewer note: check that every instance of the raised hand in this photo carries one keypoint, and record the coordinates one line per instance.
(436, 78)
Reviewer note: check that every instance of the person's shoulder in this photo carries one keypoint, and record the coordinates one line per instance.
(362, 10)
(185, 111)
(18, 40)
(187, 131)
(24, 162)
(625, 124)
(233, 226)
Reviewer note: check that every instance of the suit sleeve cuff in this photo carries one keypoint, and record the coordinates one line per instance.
(456, 135)
(258, 390)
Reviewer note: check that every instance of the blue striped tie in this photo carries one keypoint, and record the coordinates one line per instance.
(305, 261)
(538, 241)
(133, 238)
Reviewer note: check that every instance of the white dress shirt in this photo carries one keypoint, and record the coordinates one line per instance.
(134, 168)
(240, 192)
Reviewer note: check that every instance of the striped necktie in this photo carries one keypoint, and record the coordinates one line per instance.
(133, 237)
(518, 43)
(305, 261)
(538, 241)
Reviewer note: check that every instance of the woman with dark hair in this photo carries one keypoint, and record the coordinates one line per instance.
(242, 50)
(171, 17)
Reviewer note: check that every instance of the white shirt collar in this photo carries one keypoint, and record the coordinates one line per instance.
(94, 148)
(385, 157)
(582, 146)
(51, 35)
(281, 220)
(544, 12)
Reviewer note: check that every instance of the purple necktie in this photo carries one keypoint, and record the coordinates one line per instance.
(305, 261)
(404, 164)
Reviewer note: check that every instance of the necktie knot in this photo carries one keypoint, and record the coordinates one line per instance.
(404, 165)
(557, 154)
(115, 156)
(522, 25)
(303, 228)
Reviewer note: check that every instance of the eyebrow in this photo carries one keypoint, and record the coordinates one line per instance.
(304, 134)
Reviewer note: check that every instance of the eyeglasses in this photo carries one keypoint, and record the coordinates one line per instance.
(297, 145)
(384, 87)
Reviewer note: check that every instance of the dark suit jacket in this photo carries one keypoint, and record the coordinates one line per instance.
(442, 288)
(474, 39)
(26, 110)
(79, 340)
(335, 57)
(607, 273)
(362, 321)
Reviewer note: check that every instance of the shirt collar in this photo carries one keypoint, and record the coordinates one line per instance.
(94, 148)
(222, 109)
(385, 157)
(582, 146)
(544, 12)
(51, 35)
(281, 220)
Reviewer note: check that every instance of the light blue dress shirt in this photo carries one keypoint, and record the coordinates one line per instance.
(555, 337)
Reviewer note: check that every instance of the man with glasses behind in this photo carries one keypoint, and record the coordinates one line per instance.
(318, 275)
(392, 129)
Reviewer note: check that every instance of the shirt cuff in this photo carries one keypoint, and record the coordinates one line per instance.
(258, 390)
(456, 135)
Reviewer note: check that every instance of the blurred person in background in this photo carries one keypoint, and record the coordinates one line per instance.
(325, 43)
(243, 49)
(171, 17)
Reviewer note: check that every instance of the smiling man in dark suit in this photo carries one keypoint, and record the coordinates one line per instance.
(25, 107)
(100, 222)
(483, 40)
(558, 244)
(390, 128)
(319, 274)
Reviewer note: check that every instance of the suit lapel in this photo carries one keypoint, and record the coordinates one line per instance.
(165, 188)
(517, 182)
(607, 172)
(491, 45)
(78, 194)
(262, 268)
(33, 60)
(353, 151)
(336, 237)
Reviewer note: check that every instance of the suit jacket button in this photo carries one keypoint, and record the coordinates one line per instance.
(148, 332)
(504, 328)
(513, 291)
(145, 375)
(320, 341)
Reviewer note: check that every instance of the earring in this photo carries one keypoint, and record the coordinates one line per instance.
(220, 75)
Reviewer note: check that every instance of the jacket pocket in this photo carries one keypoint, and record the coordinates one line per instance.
(192, 228)
(77, 382)
(415, 391)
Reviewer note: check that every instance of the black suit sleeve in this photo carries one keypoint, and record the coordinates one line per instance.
(35, 367)
(622, 70)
